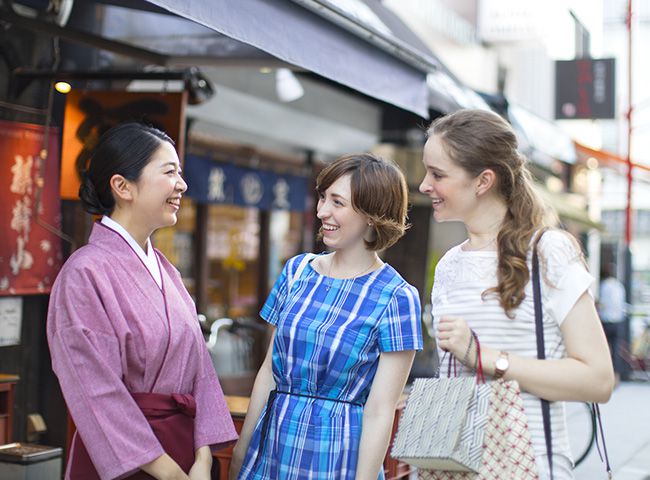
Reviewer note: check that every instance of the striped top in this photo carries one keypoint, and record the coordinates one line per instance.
(329, 336)
(460, 279)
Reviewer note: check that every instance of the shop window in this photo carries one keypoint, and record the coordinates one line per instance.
(233, 238)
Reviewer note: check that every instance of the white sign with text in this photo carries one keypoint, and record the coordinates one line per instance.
(11, 314)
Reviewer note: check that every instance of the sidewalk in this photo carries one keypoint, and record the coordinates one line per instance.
(626, 421)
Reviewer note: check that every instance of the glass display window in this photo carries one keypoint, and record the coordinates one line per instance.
(233, 245)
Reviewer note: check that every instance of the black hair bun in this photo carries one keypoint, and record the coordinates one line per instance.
(89, 197)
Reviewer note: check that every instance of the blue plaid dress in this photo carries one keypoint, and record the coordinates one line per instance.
(329, 335)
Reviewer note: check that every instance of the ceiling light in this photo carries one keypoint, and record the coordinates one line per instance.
(62, 87)
(287, 86)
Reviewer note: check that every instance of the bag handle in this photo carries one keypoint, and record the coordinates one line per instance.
(478, 363)
(452, 362)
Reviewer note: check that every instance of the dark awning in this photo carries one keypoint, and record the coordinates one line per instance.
(297, 35)
(360, 44)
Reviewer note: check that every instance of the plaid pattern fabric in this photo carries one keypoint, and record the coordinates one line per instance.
(329, 335)
(508, 450)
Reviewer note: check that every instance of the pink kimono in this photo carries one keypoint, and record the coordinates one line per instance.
(112, 332)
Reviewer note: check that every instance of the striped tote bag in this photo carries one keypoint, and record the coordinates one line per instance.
(443, 424)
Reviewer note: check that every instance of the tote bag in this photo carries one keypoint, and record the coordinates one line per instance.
(443, 424)
(507, 449)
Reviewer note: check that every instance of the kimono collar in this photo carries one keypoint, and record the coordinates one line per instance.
(110, 240)
(149, 258)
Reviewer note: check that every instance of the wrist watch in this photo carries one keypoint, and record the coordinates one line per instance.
(501, 365)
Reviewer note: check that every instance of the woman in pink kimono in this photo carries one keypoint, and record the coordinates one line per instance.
(123, 331)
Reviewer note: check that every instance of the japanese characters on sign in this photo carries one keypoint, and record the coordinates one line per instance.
(585, 88)
(30, 256)
(210, 181)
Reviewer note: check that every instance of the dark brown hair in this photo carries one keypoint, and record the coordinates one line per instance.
(478, 140)
(379, 191)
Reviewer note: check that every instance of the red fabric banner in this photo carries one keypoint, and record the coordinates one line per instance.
(30, 256)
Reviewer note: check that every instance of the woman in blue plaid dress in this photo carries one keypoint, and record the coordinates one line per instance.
(346, 328)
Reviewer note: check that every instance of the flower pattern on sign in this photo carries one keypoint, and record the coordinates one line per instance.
(21, 258)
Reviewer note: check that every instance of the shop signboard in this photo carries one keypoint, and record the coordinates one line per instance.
(210, 181)
(88, 114)
(585, 89)
(30, 254)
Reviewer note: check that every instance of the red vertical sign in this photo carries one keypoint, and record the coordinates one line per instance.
(30, 256)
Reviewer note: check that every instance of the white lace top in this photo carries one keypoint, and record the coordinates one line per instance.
(462, 276)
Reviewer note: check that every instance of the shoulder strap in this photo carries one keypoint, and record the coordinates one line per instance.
(541, 352)
(301, 266)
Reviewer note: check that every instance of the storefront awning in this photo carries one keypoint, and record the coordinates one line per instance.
(298, 36)
(542, 139)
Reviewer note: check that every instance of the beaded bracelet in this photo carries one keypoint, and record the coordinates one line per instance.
(469, 349)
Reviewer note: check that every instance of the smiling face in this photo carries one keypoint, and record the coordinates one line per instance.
(157, 193)
(451, 189)
(342, 226)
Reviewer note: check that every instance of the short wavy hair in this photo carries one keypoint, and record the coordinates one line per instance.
(379, 191)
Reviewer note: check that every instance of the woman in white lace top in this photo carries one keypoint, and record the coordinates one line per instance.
(475, 174)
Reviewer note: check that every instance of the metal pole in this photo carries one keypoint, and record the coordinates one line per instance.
(628, 209)
(627, 281)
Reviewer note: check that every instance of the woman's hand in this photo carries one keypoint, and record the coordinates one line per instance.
(454, 336)
(202, 464)
(164, 468)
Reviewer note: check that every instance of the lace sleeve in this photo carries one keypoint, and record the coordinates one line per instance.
(564, 274)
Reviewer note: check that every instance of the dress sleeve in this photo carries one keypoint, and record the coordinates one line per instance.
(564, 275)
(401, 328)
(87, 360)
(213, 424)
(275, 301)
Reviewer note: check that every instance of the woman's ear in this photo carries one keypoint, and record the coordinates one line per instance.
(121, 188)
(485, 181)
(371, 233)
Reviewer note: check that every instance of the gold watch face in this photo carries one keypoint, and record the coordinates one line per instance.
(502, 363)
